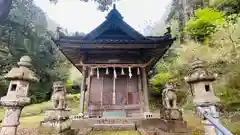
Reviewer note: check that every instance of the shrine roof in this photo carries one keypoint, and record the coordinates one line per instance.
(147, 40)
(114, 30)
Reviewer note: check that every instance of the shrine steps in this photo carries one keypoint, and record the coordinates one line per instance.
(148, 125)
(114, 127)
(106, 123)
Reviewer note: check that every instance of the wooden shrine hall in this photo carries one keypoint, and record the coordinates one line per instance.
(114, 60)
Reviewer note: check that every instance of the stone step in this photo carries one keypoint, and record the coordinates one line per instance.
(130, 126)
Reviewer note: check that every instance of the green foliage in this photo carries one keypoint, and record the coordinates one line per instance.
(197, 131)
(159, 80)
(224, 42)
(25, 32)
(228, 6)
(204, 24)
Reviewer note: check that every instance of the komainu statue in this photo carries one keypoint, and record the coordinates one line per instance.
(57, 118)
(59, 95)
(170, 109)
(169, 97)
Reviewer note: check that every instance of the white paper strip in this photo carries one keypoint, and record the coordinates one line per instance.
(122, 72)
(138, 71)
(97, 73)
(115, 73)
(91, 71)
(107, 72)
(130, 72)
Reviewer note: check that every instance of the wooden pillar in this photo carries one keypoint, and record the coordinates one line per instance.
(145, 89)
(102, 87)
(82, 98)
(114, 91)
(88, 91)
(140, 93)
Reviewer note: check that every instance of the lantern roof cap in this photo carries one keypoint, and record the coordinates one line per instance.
(198, 73)
(22, 72)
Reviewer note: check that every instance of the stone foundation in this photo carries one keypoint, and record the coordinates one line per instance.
(152, 125)
(59, 126)
(102, 127)
(166, 126)
(57, 120)
(55, 114)
(105, 123)
(158, 132)
(172, 114)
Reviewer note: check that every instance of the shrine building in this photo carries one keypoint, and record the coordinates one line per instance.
(114, 60)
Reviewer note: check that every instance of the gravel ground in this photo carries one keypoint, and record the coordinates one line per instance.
(27, 131)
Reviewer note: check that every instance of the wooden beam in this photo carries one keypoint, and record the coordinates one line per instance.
(110, 51)
(108, 46)
(116, 65)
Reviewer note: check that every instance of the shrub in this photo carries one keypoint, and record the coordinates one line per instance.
(204, 24)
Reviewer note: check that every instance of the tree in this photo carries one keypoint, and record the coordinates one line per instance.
(229, 6)
(5, 6)
(24, 32)
(204, 23)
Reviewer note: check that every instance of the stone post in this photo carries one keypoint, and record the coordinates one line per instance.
(200, 82)
(17, 95)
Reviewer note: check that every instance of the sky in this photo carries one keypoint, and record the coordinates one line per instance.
(84, 17)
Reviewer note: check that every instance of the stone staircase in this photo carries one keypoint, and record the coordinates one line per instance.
(114, 124)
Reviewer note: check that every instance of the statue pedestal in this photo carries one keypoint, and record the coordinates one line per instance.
(56, 114)
(57, 119)
(172, 114)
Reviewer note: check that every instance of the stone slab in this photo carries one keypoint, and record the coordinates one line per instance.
(89, 123)
(102, 127)
(58, 126)
(176, 126)
(170, 126)
(158, 132)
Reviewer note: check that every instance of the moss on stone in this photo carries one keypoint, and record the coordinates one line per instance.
(129, 132)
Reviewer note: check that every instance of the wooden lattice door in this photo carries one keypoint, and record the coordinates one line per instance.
(107, 90)
(121, 90)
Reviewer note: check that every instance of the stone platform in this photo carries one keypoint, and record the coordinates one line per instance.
(56, 119)
(166, 126)
(105, 123)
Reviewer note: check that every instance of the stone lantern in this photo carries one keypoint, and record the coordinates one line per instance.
(17, 95)
(200, 81)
